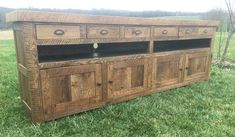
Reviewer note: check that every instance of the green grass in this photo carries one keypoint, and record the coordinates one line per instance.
(201, 109)
(231, 50)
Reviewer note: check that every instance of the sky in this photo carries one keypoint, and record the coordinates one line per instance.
(131, 5)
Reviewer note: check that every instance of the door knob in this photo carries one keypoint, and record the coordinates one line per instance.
(110, 81)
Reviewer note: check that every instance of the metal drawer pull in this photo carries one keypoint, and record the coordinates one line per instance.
(98, 84)
(59, 32)
(104, 32)
(110, 81)
(137, 32)
(187, 31)
(205, 31)
(164, 32)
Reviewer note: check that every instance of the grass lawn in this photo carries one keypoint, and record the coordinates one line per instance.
(231, 50)
(202, 109)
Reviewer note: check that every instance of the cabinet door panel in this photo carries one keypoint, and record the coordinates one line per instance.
(167, 70)
(77, 85)
(196, 65)
(82, 86)
(126, 77)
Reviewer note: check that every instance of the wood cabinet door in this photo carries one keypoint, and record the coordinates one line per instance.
(167, 70)
(68, 88)
(126, 77)
(196, 65)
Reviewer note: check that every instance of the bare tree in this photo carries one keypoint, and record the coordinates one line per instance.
(231, 27)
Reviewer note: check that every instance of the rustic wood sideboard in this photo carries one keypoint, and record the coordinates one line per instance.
(69, 63)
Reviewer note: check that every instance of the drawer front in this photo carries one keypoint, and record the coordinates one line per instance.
(137, 32)
(165, 31)
(102, 31)
(206, 31)
(188, 31)
(57, 32)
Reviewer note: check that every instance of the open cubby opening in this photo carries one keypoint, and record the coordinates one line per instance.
(47, 53)
(162, 46)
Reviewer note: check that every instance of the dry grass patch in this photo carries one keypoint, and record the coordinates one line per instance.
(6, 34)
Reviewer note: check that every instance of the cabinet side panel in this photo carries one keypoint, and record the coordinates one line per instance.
(31, 63)
(22, 71)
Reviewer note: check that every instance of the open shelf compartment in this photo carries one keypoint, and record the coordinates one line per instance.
(172, 45)
(48, 53)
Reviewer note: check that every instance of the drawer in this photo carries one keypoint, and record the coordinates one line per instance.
(57, 32)
(103, 31)
(165, 31)
(188, 31)
(137, 32)
(206, 31)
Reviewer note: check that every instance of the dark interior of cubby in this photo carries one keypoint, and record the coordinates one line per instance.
(48, 53)
(162, 46)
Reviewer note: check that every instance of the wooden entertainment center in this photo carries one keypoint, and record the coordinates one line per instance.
(69, 63)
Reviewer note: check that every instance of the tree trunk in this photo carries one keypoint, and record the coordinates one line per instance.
(226, 46)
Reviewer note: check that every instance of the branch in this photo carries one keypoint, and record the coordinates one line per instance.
(230, 11)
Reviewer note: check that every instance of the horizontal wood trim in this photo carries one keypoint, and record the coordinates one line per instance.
(128, 63)
(61, 71)
(37, 16)
(90, 61)
(87, 41)
(182, 51)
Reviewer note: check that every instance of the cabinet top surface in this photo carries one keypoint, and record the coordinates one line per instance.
(59, 17)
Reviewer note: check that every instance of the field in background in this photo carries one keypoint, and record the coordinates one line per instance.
(231, 50)
(181, 17)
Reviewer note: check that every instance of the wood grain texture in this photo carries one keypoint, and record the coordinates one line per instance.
(58, 31)
(103, 31)
(166, 32)
(67, 87)
(167, 70)
(126, 77)
(56, 88)
(31, 63)
(37, 16)
(196, 65)
(137, 32)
